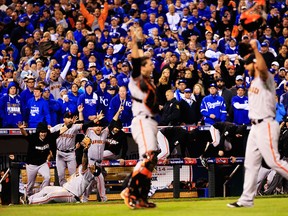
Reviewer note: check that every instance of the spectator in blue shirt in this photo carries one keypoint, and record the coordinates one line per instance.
(123, 77)
(239, 105)
(213, 107)
(123, 99)
(90, 101)
(11, 107)
(37, 110)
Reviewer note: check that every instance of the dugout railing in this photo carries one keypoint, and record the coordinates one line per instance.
(12, 143)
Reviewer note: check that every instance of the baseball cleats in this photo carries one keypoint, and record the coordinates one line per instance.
(238, 205)
(129, 201)
(134, 203)
(146, 204)
(24, 200)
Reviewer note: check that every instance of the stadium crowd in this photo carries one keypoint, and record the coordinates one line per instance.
(56, 55)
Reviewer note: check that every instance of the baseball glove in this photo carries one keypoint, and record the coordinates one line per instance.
(86, 142)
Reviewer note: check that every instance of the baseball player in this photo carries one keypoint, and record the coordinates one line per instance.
(98, 137)
(39, 152)
(116, 143)
(65, 144)
(264, 134)
(143, 126)
(73, 188)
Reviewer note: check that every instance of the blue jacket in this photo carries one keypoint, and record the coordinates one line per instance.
(104, 99)
(213, 104)
(126, 115)
(37, 111)
(11, 109)
(90, 102)
(123, 80)
(240, 110)
(25, 96)
(54, 108)
(59, 55)
(280, 112)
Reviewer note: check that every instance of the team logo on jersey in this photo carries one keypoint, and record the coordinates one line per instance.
(213, 105)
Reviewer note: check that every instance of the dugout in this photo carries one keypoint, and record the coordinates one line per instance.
(11, 142)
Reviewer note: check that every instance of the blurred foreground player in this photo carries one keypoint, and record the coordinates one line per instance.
(264, 134)
(144, 126)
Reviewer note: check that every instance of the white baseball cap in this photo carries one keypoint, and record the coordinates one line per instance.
(239, 77)
(275, 63)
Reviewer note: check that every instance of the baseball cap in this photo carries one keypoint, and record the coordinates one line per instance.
(56, 66)
(46, 89)
(214, 41)
(98, 124)
(275, 63)
(68, 115)
(84, 79)
(239, 77)
(124, 64)
(67, 41)
(245, 37)
(92, 64)
(264, 44)
(207, 32)
(205, 62)
(240, 86)
(22, 20)
(191, 22)
(213, 85)
(42, 127)
(115, 35)
(63, 89)
(282, 68)
(111, 88)
(184, 20)
(5, 36)
(103, 80)
(188, 90)
(182, 81)
(136, 20)
(114, 18)
(108, 57)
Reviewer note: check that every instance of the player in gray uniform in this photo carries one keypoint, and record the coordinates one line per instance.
(72, 189)
(264, 134)
(98, 137)
(143, 126)
(65, 155)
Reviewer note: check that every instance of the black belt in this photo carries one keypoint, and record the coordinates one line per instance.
(258, 121)
(66, 151)
(147, 116)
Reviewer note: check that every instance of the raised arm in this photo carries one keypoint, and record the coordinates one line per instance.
(261, 66)
(136, 51)
(116, 116)
(21, 126)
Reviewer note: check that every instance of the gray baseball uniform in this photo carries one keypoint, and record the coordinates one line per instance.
(69, 192)
(95, 155)
(65, 156)
(263, 137)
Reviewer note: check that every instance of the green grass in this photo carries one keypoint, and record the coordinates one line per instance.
(178, 207)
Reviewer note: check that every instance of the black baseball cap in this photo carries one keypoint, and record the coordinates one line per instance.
(68, 115)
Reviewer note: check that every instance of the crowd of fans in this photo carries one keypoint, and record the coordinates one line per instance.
(56, 55)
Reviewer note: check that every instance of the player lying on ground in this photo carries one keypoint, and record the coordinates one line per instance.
(71, 190)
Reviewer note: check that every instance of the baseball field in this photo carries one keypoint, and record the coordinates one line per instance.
(168, 207)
